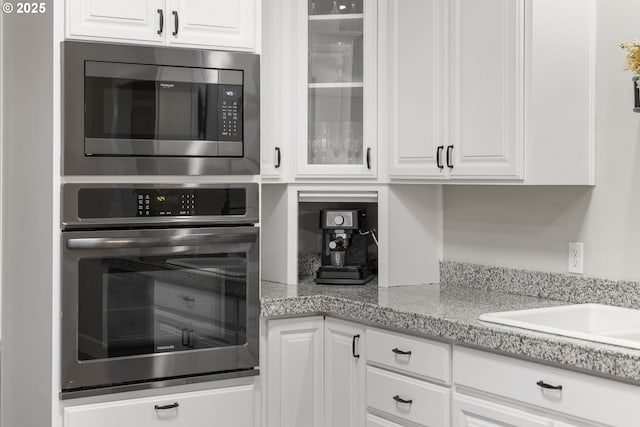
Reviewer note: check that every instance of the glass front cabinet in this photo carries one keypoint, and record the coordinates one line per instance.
(336, 109)
(340, 89)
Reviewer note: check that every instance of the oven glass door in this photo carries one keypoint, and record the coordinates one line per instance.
(146, 304)
(145, 110)
(153, 294)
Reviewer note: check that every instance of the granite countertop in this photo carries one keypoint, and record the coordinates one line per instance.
(451, 313)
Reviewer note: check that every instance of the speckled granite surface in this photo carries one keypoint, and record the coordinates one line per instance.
(562, 287)
(451, 313)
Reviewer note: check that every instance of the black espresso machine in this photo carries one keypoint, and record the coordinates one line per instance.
(344, 248)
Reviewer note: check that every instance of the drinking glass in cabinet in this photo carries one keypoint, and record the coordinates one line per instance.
(328, 7)
(352, 138)
(335, 143)
(340, 51)
(335, 51)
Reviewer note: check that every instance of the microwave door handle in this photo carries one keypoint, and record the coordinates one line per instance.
(159, 242)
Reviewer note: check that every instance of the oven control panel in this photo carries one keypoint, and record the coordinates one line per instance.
(166, 203)
(109, 203)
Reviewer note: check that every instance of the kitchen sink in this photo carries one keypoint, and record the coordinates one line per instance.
(592, 322)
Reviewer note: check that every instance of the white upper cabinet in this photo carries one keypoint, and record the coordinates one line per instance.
(490, 91)
(336, 134)
(487, 89)
(213, 24)
(412, 52)
(322, 75)
(132, 20)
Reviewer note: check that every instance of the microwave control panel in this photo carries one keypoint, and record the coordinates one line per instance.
(229, 113)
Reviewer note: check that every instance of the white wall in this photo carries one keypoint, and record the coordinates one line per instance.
(531, 227)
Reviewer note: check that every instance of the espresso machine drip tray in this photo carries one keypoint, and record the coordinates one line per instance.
(345, 275)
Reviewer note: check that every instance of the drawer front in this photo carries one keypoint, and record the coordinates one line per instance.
(468, 411)
(426, 404)
(373, 421)
(585, 396)
(427, 359)
(226, 406)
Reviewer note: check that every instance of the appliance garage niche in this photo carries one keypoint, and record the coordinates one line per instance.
(337, 240)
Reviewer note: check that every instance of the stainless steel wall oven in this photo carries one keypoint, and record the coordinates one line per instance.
(160, 285)
(131, 110)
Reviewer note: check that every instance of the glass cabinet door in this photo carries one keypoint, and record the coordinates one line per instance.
(341, 90)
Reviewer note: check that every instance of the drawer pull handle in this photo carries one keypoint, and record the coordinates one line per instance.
(542, 384)
(404, 353)
(401, 400)
(165, 407)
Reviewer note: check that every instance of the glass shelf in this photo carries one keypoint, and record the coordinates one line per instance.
(335, 85)
(330, 17)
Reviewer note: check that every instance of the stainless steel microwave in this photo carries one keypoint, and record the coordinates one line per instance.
(137, 110)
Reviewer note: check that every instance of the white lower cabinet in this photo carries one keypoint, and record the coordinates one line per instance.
(471, 412)
(344, 375)
(315, 373)
(231, 406)
(294, 372)
(400, 373)
(373, 421)
(406, 398)
(334, 373)
(575, 398)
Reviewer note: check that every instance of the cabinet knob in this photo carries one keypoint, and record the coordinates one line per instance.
(369, 158)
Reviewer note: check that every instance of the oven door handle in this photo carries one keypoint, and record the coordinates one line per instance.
(159, 242)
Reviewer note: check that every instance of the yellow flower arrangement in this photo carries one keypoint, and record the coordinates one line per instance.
(632, 57)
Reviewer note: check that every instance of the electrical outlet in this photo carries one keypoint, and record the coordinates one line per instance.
(576, 257)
